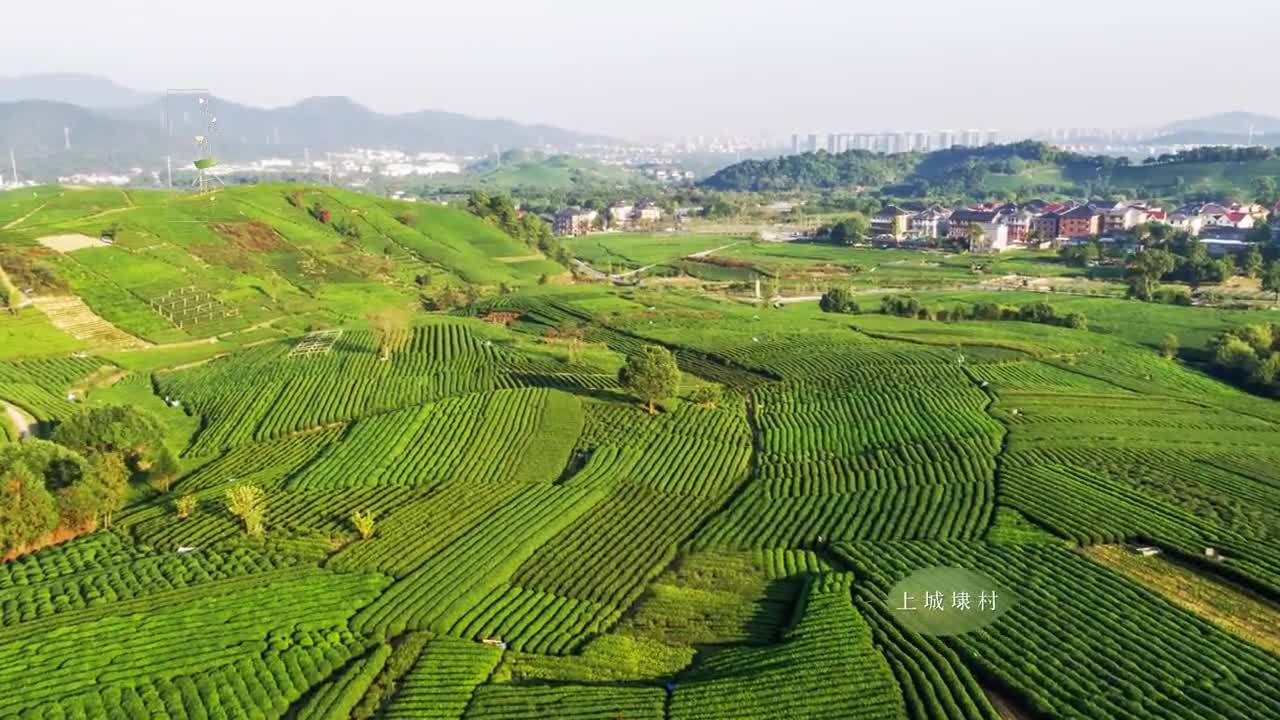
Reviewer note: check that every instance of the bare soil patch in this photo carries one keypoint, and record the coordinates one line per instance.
(70, 242)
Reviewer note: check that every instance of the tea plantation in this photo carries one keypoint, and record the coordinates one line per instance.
(467, 514)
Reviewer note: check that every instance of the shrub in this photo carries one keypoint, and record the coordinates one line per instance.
(1169, 346)
(707, 396)
(1173, 296)
(1076, 321)
(900, 305)
(362, 521)
(185, 506)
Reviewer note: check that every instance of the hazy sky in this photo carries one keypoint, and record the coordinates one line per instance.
(686, 66)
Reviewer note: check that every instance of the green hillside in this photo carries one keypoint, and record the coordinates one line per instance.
(1025, 169)
(256, 252)
(547, 173)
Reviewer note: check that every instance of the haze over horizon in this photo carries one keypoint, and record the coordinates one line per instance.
(669, 68)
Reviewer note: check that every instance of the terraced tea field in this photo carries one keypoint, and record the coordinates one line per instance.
(465, 519)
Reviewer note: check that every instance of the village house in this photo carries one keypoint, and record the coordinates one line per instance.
(1123, 217)
(958, 226)
(1081, 221)
(574, 221)
(646, 213)
(929, 224)
(619, 214)
(892, 221)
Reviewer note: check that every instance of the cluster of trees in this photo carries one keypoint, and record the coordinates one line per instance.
(849, 230)
(528, 227)
(1188, 261)
(813, 171)
(1037, 312)
(76, 480)
(1211, 153)
(838, 300)
(1250, 354)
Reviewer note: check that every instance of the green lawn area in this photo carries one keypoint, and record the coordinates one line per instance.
(631, 250)
(28, 333)
(1143, 323)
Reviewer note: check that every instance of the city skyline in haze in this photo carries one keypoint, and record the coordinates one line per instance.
(667, 68)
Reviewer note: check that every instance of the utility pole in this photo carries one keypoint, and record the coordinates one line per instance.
(168, 165)
(13, 163)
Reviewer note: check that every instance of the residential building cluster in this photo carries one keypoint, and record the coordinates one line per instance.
(1042, 224)
(895, 141)
(618, 216)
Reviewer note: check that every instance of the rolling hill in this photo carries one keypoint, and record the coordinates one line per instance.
(252, 252)
(522, 169)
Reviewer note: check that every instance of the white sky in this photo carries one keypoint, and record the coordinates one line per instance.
(686, 66)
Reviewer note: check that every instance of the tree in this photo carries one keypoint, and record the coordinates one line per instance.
(387, 323)
(1169, 346)
(850, 230)
(707, 396)
(363, 522)
(1267, 371)
(1145, 269)
(246, 502)
(838, 300)
(27, 510)
(976, 235)
(1264, 190)
(105, 490)
(1253, 263)
(1271, 279)
(651, 375)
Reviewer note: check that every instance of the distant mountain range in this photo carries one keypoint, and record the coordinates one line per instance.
(106, 120)
(88, 91)
(1230, 123)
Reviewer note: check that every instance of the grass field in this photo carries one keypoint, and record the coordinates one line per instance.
(542, 547)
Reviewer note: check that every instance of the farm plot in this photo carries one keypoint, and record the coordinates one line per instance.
(1158, 660)
(909, 454)
(262, 393)
(40, 386)
(440, 683)
(83, 658)
(71, 315)
(826, 666)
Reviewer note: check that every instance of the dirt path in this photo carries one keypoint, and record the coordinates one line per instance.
(15, 223)
(707, 253)
(21, 421)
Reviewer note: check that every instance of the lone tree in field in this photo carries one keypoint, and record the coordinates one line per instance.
(245, 502)
(650, 375)
(1169, 346)
(386, 324)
